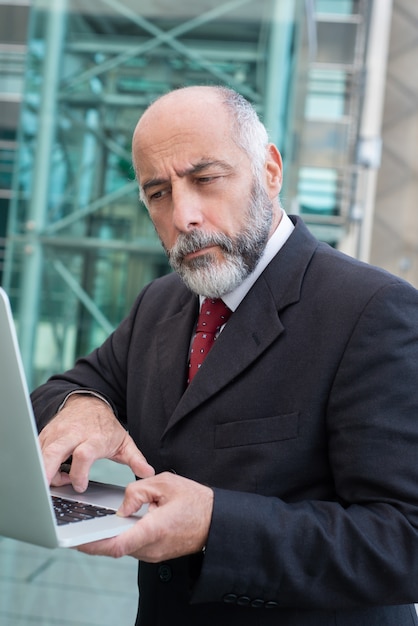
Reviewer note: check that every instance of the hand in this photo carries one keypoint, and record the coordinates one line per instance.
(87, 429)
(177, 522)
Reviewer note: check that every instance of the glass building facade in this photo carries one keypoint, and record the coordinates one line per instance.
(79, 243)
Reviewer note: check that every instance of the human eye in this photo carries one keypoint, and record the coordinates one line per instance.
(208, 179)
(157, 195)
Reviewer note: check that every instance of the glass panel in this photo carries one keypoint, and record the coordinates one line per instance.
(325, 144)
(318, 189)
(327, 94)
(343, 7)
(336, 42)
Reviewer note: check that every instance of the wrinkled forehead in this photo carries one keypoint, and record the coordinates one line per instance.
(185, 131)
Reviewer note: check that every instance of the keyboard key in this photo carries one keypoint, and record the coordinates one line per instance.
(70, 511)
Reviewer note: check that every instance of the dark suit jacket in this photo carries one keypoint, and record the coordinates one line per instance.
(304, 420)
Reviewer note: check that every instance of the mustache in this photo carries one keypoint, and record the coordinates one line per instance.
(187, 243)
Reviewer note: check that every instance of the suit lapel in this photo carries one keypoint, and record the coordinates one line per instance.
(253, 327)
(173, 342)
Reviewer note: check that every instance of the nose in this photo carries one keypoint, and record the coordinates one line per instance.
(187, 211)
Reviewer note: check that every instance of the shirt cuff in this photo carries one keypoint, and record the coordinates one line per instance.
(86, 392)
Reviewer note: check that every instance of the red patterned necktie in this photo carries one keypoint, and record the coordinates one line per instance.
(213, 315)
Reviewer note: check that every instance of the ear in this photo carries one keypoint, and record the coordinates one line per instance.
(273, 170)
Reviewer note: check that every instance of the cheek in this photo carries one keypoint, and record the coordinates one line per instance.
(163, 227)
(231, 221)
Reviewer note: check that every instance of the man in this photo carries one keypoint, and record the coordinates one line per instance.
(286, 478)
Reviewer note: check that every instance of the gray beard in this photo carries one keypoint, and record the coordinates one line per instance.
(205, 275)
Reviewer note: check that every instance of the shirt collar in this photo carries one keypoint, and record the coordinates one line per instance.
(275, 242)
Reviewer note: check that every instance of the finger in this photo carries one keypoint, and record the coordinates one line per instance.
(60, 479)
(140, 540)
(131, 456)
(104, 547)
(137, 494)
(83, 458)
(54, 455)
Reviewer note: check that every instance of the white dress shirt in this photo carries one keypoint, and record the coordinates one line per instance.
(276, 241)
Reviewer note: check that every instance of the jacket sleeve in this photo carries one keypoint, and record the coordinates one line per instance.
(361, 547)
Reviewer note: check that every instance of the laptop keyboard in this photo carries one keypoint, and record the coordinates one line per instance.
(70, 511)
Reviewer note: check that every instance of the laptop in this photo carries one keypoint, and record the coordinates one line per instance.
(27, 509)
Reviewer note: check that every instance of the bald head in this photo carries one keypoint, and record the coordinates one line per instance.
(205, 106)
(195, 98)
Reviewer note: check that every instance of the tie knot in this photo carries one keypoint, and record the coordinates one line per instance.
(213, 314)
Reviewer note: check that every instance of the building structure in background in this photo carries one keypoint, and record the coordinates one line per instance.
(13, 46)
(79, 244)
(394, 241)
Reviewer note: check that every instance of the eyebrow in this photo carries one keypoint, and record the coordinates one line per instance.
(194, 169)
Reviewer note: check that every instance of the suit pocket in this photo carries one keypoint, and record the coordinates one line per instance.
(257, 431)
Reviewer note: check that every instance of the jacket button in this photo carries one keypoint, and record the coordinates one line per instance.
(243, 601)
(257, 603)
(271, 605)
(164, 573)
(230, 598)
